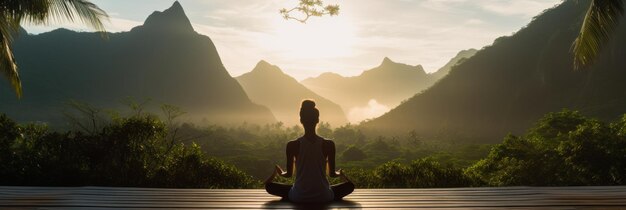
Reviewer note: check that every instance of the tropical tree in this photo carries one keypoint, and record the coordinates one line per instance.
(15, 12)
(601, 20)
(310, 8)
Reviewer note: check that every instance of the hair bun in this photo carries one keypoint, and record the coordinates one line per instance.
(308, 113)
(307, 105)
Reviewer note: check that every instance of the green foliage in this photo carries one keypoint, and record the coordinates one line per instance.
(383, 149)
(601, 20)
(564, 148)
(421, 173)
(324, 129)
(353, 154)
(255, 148)
(130, 151)
(429, 173)
(191, 169)
(348, 134)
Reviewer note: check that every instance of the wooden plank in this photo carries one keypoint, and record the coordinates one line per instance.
(448, 198)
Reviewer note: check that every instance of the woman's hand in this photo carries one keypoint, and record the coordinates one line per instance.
(271, 178)
(337, 173)
(281, 172)
(340, 173)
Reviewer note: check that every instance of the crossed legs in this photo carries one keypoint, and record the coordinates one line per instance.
(282, 190)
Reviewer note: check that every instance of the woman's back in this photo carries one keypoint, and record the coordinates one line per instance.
(311, 184)
(311, 154)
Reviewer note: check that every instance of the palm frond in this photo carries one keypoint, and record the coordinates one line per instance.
(14, 12)
(44, 11)
(601, 20)
(8, 67)
(19, 9)
(87, 12)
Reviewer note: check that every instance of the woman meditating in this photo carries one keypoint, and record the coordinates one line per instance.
(312, 154)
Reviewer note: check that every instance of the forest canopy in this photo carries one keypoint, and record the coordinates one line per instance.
(139, 149)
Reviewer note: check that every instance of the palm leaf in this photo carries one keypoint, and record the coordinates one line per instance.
(87, 12)
(601, 20)
(14, 12)
(7, 62)
(8, 67)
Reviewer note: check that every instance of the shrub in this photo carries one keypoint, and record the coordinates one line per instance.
(563, 148)
(132, 151)
(353, 153)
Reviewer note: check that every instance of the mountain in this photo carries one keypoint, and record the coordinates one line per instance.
(267, 85)
(388, 84)
(507, 86)
(164, 60)
(460, 57)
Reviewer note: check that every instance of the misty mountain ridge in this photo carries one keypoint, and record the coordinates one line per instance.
(389, 69)
(460, 57)
(509, 85)
(164, 60)
(267, 85)
(377, 90)
(389, 83)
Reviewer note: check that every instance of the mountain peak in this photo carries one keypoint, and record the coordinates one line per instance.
(171, 19)
(176, 5)
(264, 66)
(263, 63)
(387, 61)
(389, 67)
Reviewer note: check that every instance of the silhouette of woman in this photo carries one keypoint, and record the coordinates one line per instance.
(312, 154)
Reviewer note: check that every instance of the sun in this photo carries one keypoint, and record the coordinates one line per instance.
(322, 37)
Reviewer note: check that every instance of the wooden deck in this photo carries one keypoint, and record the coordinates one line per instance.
(451, 198)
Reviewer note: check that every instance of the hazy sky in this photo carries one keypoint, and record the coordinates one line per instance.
(426, 32)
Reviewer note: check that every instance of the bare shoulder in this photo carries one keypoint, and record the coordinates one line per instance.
(328, 143)
(293, 147)
(293, 143)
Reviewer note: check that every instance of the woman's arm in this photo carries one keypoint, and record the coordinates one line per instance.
(330, 152)
(291, 155)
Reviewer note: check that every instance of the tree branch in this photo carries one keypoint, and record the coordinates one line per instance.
(310, 8)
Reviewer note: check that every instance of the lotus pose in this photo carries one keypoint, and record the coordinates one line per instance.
(312, 154)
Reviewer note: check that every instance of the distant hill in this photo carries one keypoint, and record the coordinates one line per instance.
(267, 85)
(388, 84)
(164, 60)
(460, 57)
(507, 86)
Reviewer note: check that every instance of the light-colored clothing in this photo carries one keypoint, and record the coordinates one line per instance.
(311, 185)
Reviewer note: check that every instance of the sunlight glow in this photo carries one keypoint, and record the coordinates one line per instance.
(326, 37)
